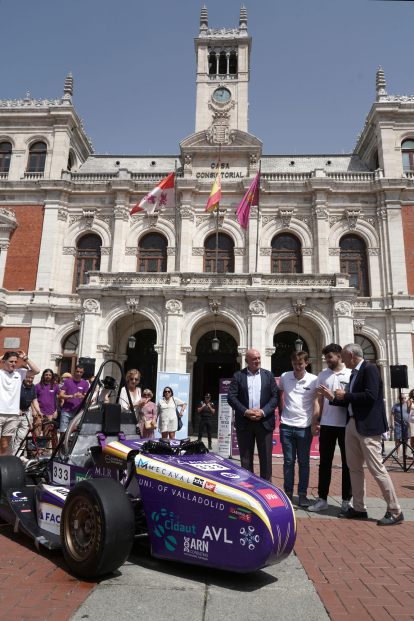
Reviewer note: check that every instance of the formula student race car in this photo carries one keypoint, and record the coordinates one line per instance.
(104, 486)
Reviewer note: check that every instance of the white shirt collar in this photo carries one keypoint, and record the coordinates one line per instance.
(358, 365)
(251, 374)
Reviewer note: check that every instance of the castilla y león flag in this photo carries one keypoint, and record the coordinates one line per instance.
(161, 196)
(215, 193)
(250, 199)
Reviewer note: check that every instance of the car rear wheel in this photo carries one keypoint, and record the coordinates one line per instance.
(97, 527)
(12, 473)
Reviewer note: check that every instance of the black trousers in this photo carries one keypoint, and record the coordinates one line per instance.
(205, 422)
(256, 431)
(327, 442)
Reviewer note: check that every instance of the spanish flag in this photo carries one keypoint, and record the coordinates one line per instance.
(215, 193)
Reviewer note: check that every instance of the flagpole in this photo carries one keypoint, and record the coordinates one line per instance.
(218, 213)
(258, 220)
(176, 217)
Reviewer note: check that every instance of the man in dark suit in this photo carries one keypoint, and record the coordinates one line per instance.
(366, 422)
(254, 396)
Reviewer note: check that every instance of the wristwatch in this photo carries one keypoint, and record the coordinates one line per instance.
(25, 359)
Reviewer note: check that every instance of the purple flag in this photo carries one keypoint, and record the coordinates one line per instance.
(251, 199)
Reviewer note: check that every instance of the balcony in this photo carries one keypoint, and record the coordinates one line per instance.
(4, 176)
(33, 176)
(202, 281)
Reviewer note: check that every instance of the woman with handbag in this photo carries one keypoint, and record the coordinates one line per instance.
(149, 410)
(133, 378)
(167, 413)
(410, 422)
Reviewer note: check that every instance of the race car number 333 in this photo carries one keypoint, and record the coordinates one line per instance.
(61, 473)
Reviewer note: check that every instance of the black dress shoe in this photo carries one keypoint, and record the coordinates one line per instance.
(390, 520)
(351, 514)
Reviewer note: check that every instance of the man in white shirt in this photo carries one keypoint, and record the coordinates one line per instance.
(10, 385)
(299, 390)
(329, 422)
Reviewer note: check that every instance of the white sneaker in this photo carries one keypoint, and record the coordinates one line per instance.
(346, 504)
(319, 505)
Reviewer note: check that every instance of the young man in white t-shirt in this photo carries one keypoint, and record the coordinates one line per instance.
(10, 386)
(329, 422)
(299, 390)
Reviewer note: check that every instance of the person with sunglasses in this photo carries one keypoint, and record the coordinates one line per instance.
(166, 411)
(133, 377)
(150, 412)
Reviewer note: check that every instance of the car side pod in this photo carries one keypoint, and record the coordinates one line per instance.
(205, 510)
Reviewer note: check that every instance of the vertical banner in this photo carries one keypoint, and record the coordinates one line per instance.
(180, 385)
(225, 419)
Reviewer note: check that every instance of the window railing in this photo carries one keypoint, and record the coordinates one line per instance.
(33, 176)
(4, 176)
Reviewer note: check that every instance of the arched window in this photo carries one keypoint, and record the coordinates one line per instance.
(286, 255)
(212, 64)
(70, 161)
(354, 263)
(37, 157)
(223, 63)
(370, 352)
(233, 63)
(225, 254)
(69, 354)
(407, 148)
(5, 156)
(88, 258)
(152, 253)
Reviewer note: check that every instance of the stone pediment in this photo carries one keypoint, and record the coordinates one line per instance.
(235, 142)
(8, 220)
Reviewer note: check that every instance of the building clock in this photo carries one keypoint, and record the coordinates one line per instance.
(221, 95)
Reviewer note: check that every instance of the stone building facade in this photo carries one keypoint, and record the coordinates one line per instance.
(335, 262)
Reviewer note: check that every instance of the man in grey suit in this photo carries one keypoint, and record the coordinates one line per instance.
(254, 396)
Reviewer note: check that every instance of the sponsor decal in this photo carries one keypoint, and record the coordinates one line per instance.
(112, 461)
(244, 484)
(183, 378)
(81, 477)
(206, 466)
(26, 511)
(182, 394)
(210, 486)
(164, 376)
(17, 497)
(60, 473)
(272, 498)
(218, 535)
(196, 548)
(226, 382)
(48, 517)
(230, 475)
(197, 481)
(103, 472)
(142, 463)
(60, 492)
(165, 522)
(240, 514)
(248, 538)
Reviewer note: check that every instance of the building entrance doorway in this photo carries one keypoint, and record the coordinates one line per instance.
(210, 368)
(144, 358)
(285, 346)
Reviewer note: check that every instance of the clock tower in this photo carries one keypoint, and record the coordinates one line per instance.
(223, 72)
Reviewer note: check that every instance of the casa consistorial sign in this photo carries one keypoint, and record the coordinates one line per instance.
(227, 171)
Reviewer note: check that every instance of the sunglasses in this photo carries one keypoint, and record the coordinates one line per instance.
(133, 379)
(167, 391)
(145, 394)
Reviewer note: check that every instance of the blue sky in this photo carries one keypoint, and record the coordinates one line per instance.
(313, 66)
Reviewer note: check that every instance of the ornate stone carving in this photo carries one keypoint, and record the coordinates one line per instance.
(298, 306)
(105, 250)
(242, 351)
(343, 308)
(257, 307)
(171, 251)
(131, 251)
(56, 357)
(186, 212)
(373, 252)
(4, 245)
(305, 220)
(132, 304)
(188, 165)
(186, 350)
(381, 362)
(214, 305)
(333, 220)
(358, 324)
(78, 319)
(369, 220)
(120, 212)
(73, 219)
(103, 347)
(62, 214)
(270, 351)
(334, 252)
(69, 250)
(267, 219)
(73, 300)
(307, 252)
(352, 217)
(2, 318)
(382, 212)
(198, 251)
(239, 252)
(89, 217)
(265, 252)
(170, 219)
(286, 216)
(321, 213)
(106, 219)
(201, 219)
(220, 133)
(363, 304)
(91, 306)
(158, 349)
(152, 220)
(174, 307)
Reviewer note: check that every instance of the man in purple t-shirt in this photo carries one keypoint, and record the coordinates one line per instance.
(47, 393)
(72, 392)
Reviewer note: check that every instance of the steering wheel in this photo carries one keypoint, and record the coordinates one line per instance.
(69, 431)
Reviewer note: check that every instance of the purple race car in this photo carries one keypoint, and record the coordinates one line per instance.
(104, 486)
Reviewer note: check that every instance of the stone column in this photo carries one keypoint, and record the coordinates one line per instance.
(172, 336)
(88, 336)
(49, 246)
(343, 323)
(121, 215)
(241, 357)
(187, 219)
(256, 325)
(321, 232)
(397, 255)
(267, 357)
(4, 246)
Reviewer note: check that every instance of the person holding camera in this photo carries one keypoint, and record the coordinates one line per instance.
(206, 410)
(11, 380)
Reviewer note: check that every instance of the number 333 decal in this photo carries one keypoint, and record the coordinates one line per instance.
(61, 473)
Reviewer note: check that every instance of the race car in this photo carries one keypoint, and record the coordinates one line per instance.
(104, 486)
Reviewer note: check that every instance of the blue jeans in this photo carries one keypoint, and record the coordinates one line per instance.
(295, 440)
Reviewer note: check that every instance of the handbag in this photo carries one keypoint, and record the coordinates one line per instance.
(179, 419)
(149, 424)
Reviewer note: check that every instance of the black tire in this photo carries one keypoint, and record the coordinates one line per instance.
(12, 473)
(97, 527)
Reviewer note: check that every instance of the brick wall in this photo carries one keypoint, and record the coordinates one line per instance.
(22, 333)
(23, 253)
(407, 214)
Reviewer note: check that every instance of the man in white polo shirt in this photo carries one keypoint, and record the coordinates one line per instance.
(329, 422)
(299, 390)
